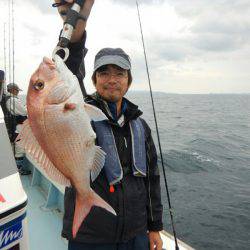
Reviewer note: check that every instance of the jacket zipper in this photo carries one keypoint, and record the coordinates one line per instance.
(125, 141)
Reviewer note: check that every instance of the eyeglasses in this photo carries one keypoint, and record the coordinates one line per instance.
(106, 75)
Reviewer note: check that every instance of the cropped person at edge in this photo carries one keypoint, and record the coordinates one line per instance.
(135, 191)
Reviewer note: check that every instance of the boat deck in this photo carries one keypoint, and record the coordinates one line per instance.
(40, 218)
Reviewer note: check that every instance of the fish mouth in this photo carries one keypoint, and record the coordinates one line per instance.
(60, 93)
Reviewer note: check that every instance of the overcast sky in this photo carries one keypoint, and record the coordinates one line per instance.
(193, 46)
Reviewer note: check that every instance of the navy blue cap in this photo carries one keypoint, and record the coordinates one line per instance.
(112, 56)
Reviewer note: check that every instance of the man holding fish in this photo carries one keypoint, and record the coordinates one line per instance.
(127, 191)
(99, 148)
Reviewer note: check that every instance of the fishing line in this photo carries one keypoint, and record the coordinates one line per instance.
(157, 130)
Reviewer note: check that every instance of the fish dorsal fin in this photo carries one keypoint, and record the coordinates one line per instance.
(29, 143)
(98, 163)
(94, 113)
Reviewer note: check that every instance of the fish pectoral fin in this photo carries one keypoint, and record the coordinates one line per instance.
(98, 163)
(90, 143)
(29, 143)
(94, 113)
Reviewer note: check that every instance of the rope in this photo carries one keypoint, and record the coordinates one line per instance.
(157, 130)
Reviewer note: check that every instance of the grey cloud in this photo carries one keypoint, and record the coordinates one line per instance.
(217, 43)
(196, 8)
(221, 34)
(133, 2)
(44, 6)
(36, 33)
(169, 49)
(218, 25)
(162, 50)
(34, 30)
(173, 51)
(223, 26)
(189, 9)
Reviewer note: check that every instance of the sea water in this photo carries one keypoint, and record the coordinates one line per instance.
(206, 149)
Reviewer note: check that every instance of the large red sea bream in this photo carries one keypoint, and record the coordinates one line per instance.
(58, 134)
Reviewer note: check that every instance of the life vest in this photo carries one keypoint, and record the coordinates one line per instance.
(106, 141)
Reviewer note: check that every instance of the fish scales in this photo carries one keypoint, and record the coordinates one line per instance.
(68, 150)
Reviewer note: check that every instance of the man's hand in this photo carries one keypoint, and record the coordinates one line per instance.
(85, 11)
(155, 240)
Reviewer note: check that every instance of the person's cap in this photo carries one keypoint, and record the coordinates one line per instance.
(1, 75)
(11, 86)
(112, 56)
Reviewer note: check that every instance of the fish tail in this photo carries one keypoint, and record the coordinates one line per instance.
(83, 207)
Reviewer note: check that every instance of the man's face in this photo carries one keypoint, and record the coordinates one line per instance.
(14, 91)
(112, 83)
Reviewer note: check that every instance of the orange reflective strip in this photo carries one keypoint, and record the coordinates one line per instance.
(111, 189)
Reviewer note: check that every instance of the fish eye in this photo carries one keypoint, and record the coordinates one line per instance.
(38, 85)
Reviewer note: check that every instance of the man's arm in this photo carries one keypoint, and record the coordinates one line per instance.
(154, 208)
(77, 50)
(81, 24)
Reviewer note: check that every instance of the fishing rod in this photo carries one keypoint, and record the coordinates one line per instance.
(157, 129)
(69, 25)
(72, 17)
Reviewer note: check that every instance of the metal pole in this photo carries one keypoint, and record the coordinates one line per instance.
(9, 80)
(13, 44)
(4, 44)
(13, 76)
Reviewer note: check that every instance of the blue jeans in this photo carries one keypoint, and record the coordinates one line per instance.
(140, 242)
